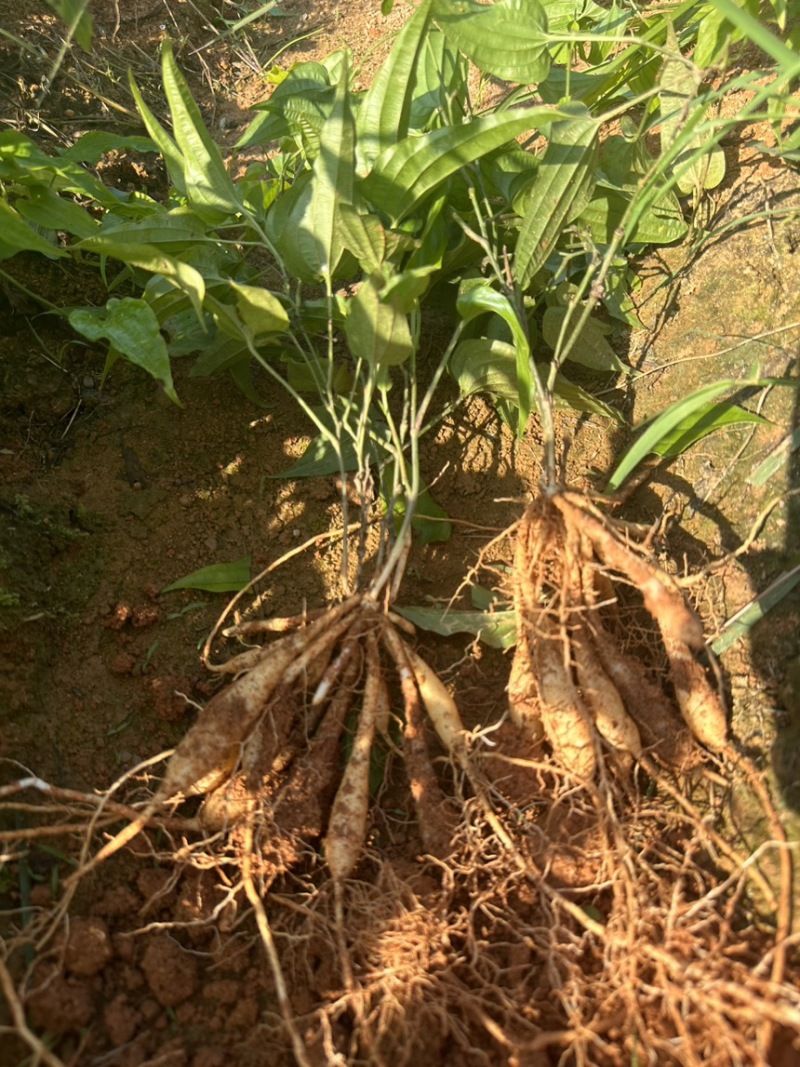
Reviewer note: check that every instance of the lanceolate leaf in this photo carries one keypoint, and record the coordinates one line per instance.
(364, 236)
(76, 15)
(333, 178)
(216, 578)
(384, 112)
(711, 417)
(779, 457)
(477, 299)
(165, 144)
(260, 311)
(303, 98)
(92, 146)
(440, 88)
(306, 221)
(53, 212)
(209, 187)
(495, 628)
(591, 348)
(507, 39)
(558, 193)
(408, 171)
(745, 619)
(661, 224)
(320, 459)
(169, 231)
(662, 427)
(17, 236)
(485, 366)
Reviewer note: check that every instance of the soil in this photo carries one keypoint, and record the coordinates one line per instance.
(109, 493)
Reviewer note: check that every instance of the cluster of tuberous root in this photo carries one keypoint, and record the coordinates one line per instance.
(593, 926)
(266, 749)
(571, 681)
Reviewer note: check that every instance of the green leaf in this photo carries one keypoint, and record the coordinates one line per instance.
(306, 374)
(484, 366)
(576, 398)
(714, 416)
(476, 299)
(430, 522)
(178, 231)
(91, 147)
(53, 212)
(306, 222)
(209, 188)
(407, 172)
(76, 16)
(383, 117)
(364, 236)
(303, 98)
(216, 578)
(697, 166)
(498, 629)
(152, 259)
(21, 161)
(758, 33)
(661, 224)
(133, 330)
(490, 366)
(332, 181)
(510, 170)
(661, 427)
(242, 376)
(222, 353)
(377, 330)
(440, 89)
(591, 349)
(558, 193)
(17, 236)
(165, 144)
(740, 624)
(778, 458)
(507, 39)
(713, 36)
(321, 459)
(261, 311)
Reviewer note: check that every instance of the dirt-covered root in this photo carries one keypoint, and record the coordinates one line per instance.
(607, 936)
(268, 750)
(573, 679)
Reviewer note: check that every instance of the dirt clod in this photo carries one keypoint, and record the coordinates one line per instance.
(88, 947)
(170, 971)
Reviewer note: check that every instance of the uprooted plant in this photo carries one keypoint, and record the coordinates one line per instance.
(377, 204)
